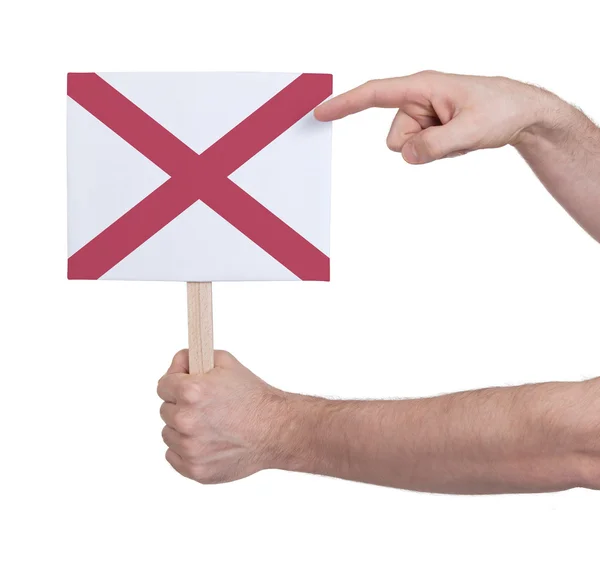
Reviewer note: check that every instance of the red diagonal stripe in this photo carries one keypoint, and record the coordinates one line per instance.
(134, 126)
(199, 176)
(267, 230)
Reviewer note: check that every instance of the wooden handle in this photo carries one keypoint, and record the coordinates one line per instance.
(200, 327)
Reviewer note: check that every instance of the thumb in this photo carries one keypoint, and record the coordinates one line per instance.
(438, 142)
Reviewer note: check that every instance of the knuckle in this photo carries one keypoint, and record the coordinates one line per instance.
(188, 448)
(171, 458)
(373, 90)
(182, 422)
(200, 474)
(429, 78)
(369, 90)
(189, 392)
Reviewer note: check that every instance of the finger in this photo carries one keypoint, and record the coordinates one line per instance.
(178, 387)
(178, 463)
(457, 153)
(403, 127)
(438, 142)
(172, 439)
(168, 413)
(389, 92)
(185, 446)
(179, 419)
(224, 359)
(180, 362)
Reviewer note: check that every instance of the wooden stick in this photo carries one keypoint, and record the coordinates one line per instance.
(200, 327)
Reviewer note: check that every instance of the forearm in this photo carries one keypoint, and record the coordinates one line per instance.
(563, 149)
(526, 439)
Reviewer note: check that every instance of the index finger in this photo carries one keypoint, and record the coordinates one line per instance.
(170, 386)
(166, 388)
(180, 363)
(388, 92)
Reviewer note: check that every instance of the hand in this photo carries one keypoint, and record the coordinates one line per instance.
(441, 115)
(220, 426)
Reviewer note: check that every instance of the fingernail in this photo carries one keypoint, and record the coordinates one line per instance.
(410, 154)
(457, 154)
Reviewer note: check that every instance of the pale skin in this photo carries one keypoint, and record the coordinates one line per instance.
(229, 423)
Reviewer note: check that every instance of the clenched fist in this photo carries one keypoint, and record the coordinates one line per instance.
(220, 426)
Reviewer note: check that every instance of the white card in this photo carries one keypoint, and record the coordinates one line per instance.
(198, 176)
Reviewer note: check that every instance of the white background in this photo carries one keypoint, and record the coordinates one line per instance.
(456, 275)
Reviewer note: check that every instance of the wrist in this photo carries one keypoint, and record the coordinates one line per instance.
(550, 120)
(565, 421)
(581, 430)
(294, 437)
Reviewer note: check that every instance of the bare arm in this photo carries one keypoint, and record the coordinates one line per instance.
(230, 424)
(563, 150)
(535, 438)
(440, 115)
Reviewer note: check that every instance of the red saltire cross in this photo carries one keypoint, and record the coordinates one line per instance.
(201, 176)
